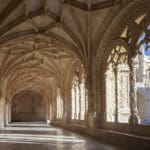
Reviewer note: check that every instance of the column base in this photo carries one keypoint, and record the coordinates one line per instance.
(65, 119)
(48, 122)
(134, 119)
(2, 125)
(91, 119)
(99, 120)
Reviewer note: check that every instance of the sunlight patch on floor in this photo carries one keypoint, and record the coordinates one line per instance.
(38, 138)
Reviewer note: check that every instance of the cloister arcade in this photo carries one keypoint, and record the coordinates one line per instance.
(80, 65)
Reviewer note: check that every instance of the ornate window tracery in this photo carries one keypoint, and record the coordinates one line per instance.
(59, 101)
(143, 76)
(79, 97)
(117, 87)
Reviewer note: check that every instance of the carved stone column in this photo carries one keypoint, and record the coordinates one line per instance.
(68, 105)
(48, 113)
(2, 112)
(47, 109)
(91, 113)
(91, 110)
(2, 106)
(100, 99)
(63, 94)
(50, 108)
(79, 115)
(116, 93)
(7, 113)
(134, 118)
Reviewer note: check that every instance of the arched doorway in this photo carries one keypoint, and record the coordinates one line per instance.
(28, 106)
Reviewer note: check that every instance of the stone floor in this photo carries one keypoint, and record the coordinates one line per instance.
(38, 136)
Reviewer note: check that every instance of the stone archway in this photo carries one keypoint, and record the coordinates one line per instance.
(28, 106)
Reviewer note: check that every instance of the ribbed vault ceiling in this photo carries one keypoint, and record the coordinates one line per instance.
(40, 39)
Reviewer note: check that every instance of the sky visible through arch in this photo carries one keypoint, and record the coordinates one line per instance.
(143, 49)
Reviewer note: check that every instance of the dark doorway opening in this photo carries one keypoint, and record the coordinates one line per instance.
(28, 106)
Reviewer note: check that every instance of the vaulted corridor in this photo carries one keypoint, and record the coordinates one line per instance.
(39, 136)
(71, 67)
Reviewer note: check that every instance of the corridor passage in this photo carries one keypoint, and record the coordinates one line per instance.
(39, 136)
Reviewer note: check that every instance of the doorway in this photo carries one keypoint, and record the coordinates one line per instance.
(28, 106)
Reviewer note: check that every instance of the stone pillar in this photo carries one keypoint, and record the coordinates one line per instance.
(79, 115)
(2, 113)
(134, 118)
(48, 112)
(91, 113)
(7, 114)
(63, 94)
(89, 81)
(50, 107)
(54, 106)
(100, 99)
(68, 105)
(116, 94)
(48, 98)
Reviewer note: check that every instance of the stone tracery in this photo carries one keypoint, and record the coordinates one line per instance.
(142, 76)
(117, 81)
(59, 102)
(79, 97)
